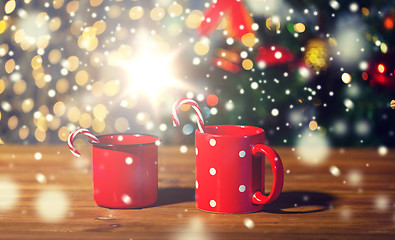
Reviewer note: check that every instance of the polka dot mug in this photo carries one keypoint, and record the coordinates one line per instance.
(125, 170)
(230, 169)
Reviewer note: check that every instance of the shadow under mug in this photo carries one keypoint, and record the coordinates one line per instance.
(125, 170)
(230, 169)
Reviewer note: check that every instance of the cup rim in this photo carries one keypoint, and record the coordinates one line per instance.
(261, 130)
(125, 145)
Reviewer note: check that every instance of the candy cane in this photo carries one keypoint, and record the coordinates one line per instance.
(74, 134)
(194, 105)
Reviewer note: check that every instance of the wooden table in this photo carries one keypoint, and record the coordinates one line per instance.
(356, 203)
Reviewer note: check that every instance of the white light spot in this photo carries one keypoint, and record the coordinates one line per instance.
(213, 142)
(242, 154)
(354, 7)
(38, 156)
(126, 199)
(278, 55)
(255, 26)
(41, 178)
(242, 188)
(196, 61)
(381, 203)
(196, 151)
(312, 148)
(249, 223)
(275, 112)
(213, 171)
(52, 205)
(362, 128)
(196, 184)
(254, 85)
(162, 127)
(213, 203)
(334, 4)
(354, 177)
(129, 160)
(9, 194)
(363, 65)
(383, 150)
(243, 54)
(335, 171)
(348, 103)
(183, 149)
(120, 138)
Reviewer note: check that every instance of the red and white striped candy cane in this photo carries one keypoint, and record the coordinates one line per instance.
(74, 134)
(194, 105)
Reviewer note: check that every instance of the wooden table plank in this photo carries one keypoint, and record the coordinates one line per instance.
(357, 204)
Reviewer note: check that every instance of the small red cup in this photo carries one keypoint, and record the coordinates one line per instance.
(125, 170)
(230, 169)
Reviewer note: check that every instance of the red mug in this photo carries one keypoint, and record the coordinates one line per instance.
(125, 169)
(230, 171)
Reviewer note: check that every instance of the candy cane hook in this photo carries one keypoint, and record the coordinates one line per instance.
(194, 105)
(74, 134)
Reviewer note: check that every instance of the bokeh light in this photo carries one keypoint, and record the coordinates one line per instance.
(9, 194)
(312, 148)
(52, 205)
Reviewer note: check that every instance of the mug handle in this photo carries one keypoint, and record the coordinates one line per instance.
(278, 174)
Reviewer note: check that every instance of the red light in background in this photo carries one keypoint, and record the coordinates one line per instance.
(381, 68)
(212, 100)
(388, 23)
(365, 76)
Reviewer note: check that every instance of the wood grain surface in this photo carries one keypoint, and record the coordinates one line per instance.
(350, 195)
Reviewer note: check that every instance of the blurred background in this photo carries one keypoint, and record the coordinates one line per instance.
(314, 73)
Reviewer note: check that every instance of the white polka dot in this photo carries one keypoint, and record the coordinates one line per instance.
(120, 138)
(242, 153)
(213, 171)
(197, 184)
(213, 142)
(196, 151)
(242, 188)
(129, 160)
(213, 203)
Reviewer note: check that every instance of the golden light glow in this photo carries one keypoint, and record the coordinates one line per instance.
(82, 77)
(3, 26)
(247, 64)
(316, 55)
(100, 27)
(72, 63)
(72, 7)
(95, 3)
(143, 79)
(9, 6)
(194, 19)
(175, 9)
(299, 27)
(313, 125)
(55, 24)
(273, 23)
(157, 13)
(9, 66)
(57, 4)
(2, 85)
(54, 56)
(202, 47)
(248, 39)
(100, 111)
(136, 13)
(114, 11)
(346, 78)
